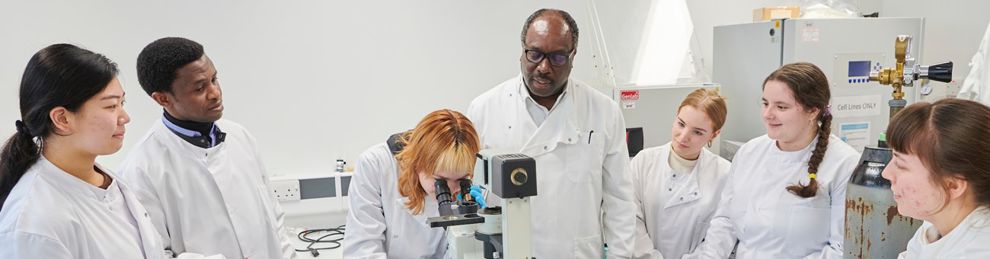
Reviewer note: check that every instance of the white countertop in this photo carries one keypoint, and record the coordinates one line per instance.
(314, 214)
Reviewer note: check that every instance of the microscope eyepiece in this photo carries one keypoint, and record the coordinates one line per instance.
(443, 197)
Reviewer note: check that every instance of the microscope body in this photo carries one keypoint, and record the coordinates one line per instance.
(497, 231)
(511, 177)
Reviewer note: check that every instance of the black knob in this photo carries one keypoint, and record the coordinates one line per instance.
(941, 72)
(519, 177)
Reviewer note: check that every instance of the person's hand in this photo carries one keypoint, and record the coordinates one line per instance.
(479, 195)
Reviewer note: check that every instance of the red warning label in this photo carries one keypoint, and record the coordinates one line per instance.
(629, 95)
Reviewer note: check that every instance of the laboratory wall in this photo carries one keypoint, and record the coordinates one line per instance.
(314, 81)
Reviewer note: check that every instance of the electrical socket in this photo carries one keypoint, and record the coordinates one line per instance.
(285, 190)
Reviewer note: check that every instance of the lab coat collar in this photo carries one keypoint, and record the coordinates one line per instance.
(793, 156)
(68, 182)
(978, 218)
(557, 130)
(215, 138)
(524, 93)
(187, 149)
(74, 185)
(560, 127)
(690, 190)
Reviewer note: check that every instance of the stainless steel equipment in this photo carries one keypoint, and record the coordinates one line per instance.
(874, 229)
(847, 50)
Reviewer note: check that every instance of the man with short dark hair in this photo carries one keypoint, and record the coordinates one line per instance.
(577, 136)
(199, 176)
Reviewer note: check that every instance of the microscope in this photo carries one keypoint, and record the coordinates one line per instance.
(497, 231)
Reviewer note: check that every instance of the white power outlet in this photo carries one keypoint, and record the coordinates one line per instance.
(285, 190)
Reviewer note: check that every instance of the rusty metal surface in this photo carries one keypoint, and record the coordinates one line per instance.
(873, 227)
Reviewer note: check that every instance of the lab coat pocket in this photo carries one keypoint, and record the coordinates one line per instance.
(588, 247)
(808, 218)
(584, 159)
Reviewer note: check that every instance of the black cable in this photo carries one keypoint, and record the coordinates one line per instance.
(331, 232)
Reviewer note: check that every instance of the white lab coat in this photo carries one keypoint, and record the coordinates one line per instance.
(52, 214)
(584, 191)
(208, 201)
(968, 240)
(378, 223)
(674, 208)
(770, 222)
(975, 86)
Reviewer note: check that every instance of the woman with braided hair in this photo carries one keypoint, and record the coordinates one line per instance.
(785, 197)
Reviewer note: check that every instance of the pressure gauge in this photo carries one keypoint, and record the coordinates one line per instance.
(926, 89)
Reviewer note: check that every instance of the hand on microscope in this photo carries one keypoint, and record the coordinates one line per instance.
(478, 195)
(476, 192)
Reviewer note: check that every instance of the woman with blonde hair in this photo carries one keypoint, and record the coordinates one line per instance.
(393, 190)
(677, 185)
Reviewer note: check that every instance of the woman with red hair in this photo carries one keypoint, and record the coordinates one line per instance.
(393, 191)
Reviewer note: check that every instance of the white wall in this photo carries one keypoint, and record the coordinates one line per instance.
(318, 80)
(313, 80)
(953, 29)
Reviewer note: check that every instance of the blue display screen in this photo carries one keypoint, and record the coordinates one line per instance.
(859, 68)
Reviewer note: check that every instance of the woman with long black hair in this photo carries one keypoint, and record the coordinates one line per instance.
(57, 202)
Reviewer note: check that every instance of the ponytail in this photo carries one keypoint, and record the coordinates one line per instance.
(60, 75)
(817, 155)
(19, 153)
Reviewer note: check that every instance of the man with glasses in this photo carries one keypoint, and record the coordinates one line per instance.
(577, 136)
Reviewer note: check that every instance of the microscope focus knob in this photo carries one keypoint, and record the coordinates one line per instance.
(519, 176)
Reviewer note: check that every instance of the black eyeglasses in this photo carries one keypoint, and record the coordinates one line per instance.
(556, 58)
